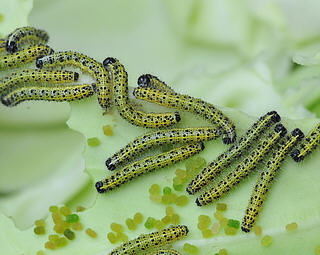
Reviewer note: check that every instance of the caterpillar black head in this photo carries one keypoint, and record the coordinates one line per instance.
(144, 80)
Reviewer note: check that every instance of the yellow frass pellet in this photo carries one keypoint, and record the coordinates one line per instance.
(182, 200)
(118, 228)
(230, 231)
(131, 224)
(107, 130)
(207, 233)
(181, 173)
(64, 210)
(204, 219)
(60, 227)
(40, 223)
(154, 189)
(50, 245)
(41, 252)
(138, 218)
(223, 252)
(90, 232)
(224, 222)
(221, 206)
(112, 238)
(80, 208)
(166, 219)
(218, 215)
(56, 217)
(61, 242)
(175, 219)
(257, 230)
(39, 230)
(156, 198)
(292, 226)
(317, 250)
(169, 211)
(53, 238)
(53, 208)
(266, 241)
(77, 226)
(189, 248)
(215, 228)
(93, 141)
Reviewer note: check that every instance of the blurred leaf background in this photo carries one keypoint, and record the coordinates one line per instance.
(246, 56)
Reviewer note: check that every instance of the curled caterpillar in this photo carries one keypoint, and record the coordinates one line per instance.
(25, 35)
(49, 93)
(148, 164)
(119, 80)
(86, 64)
(172, 136)
(243, 169)
(30, 76)
(308, 145)
(214, 169)
(190, 104)
(24, 56)
(266, 178)
(153, 82)
(147, 242)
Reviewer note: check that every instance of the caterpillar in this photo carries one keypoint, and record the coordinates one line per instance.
(148, 164)
(86, 64)
(243, 169)
(190, 104)
(119, 80)
(266, 178)
(151, 81)
(49, 93)
(24, 56)
(39, 76)
(165, 252)
(308, 145)
(23, 35)
(214, 169)
(147, 242)
(144, 142)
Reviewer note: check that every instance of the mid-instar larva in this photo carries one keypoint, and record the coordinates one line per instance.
(244, 168)
(164, 252)
(172, 136)
(25, 35)
(215, 168)
(308, 144)
(86, 64)
(190, 104)
(119, 80)
(30, 76)
(266, 178)
(24, 56)
(150, 241)
(148, 164)
(151, 81)
(59, 93)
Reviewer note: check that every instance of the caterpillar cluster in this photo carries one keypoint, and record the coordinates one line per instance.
(27, 46)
